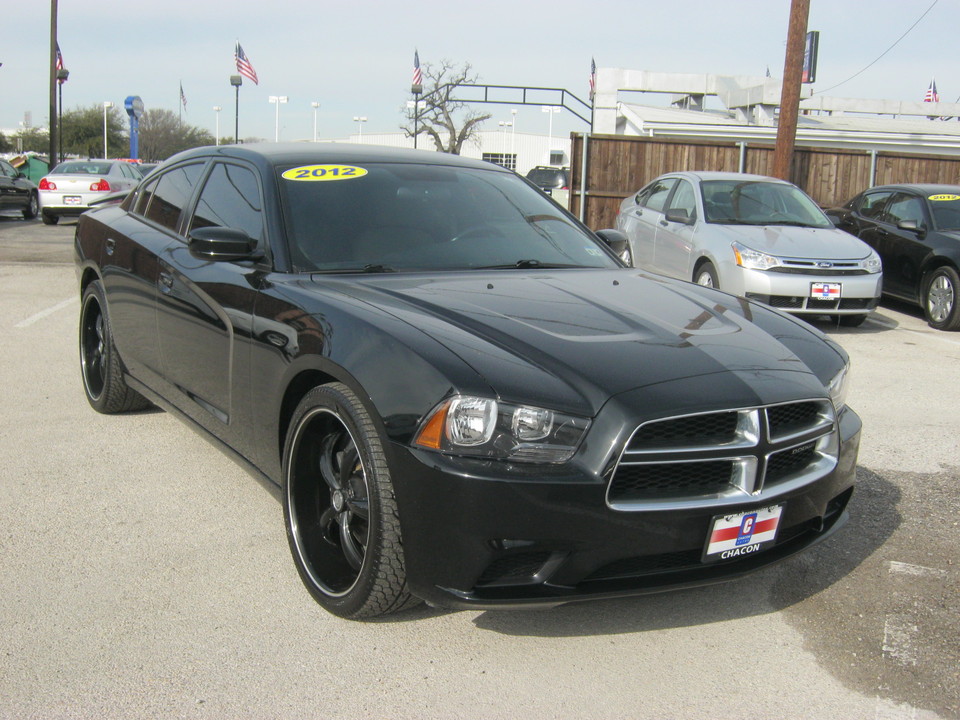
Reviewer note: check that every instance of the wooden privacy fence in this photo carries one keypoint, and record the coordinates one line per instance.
(618, 166)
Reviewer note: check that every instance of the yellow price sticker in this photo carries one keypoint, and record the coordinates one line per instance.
(323, 173)
(943, 198)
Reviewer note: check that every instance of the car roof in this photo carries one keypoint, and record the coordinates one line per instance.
(706, 175)
(320, 153)
(922, 188)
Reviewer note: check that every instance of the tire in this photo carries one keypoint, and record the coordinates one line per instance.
(706, 275)
(851, 320)
(32, 208)
(940, 301)
(103, 382)
(49, 219)
(339, 507)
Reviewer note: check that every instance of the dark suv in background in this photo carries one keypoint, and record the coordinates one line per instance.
(549, 179)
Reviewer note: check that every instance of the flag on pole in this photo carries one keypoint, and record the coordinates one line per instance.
(60, 65)
(417, 75)
(243, 65)
(593, 78)
(932, 94)
(183, 98)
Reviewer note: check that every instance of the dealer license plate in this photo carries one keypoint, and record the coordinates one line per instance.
(825, 291)
(736, 536)
(72, 200)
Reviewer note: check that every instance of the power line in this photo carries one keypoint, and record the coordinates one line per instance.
(884, 52)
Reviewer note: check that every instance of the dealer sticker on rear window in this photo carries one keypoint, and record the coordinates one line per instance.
(315, 173)
(736, 536)
(943, 198)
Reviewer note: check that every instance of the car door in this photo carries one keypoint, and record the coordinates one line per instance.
(205, 307)
(674, 239)
(130, 268)
(902, 250)
(640, 220)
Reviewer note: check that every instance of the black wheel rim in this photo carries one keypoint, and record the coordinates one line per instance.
(93, 347)
(329, 506)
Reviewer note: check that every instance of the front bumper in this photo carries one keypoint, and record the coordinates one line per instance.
(791, 292)
(474, 538)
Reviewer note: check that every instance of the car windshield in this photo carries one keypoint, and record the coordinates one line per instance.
(82, 167)
(946, 211)
(753, 202)
(386, 217)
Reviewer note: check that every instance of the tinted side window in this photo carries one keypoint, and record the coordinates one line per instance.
(6, 169)
(904, 208)
(144, 198)
(684, 199)
(231, 198)
(871, 204)
(655, 195)
(170, 194)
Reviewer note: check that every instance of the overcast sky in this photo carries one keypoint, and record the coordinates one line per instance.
(355, 57)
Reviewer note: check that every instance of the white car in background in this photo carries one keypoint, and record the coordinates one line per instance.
(75, 184)
(757, 237)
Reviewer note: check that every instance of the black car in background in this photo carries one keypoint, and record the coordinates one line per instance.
(463, 395)
(18, 193)
(549, 178)
(916, 231)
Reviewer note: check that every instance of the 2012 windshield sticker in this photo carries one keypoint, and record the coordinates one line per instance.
(321, 173)
(943, 198)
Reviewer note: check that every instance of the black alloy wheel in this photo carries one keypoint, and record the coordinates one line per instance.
(103, 381)
(940, 302)
(339, 507)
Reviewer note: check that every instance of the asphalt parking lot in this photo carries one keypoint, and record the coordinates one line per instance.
(143, 574)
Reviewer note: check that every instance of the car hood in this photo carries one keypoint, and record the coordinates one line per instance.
(580, 337)
(796, 242)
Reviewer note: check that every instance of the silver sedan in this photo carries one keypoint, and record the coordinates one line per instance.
(73, 185)
(753, 236)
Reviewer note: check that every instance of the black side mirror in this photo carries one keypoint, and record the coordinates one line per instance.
(912, 226)
(617, 241)
(223, 244)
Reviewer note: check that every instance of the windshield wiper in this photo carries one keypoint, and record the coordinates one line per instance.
(528, 265)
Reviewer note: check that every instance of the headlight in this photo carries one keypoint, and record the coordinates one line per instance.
(752, 259)
(872, 263)
(838, 388)
(482, 427)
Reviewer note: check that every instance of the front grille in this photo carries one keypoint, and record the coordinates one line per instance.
(799, 302)
(737, 454)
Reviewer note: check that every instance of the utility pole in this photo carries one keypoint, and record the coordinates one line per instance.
(52, 70)
(790, 92)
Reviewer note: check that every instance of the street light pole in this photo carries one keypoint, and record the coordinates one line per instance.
(106, 106)
(217, 109)
(360, 120)
(236, 81)
(277, 100)
(62, 75)
(315, 105)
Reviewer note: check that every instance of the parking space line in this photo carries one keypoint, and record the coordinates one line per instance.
(27, 322)
(916, 570)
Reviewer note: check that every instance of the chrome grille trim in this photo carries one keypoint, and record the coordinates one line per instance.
(773, 449)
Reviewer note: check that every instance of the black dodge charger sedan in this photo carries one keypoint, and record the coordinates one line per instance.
(462, 394)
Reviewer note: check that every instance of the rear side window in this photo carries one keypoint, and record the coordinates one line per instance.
(231, 198)
(164, 199)
(871, 204)
(655, 195)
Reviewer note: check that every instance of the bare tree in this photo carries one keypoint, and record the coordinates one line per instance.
(441, 116)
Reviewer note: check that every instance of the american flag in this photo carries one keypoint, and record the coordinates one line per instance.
(60, 65)
(932, 94)
(183, 98)
(593, 78)
(243, 65)
(417, 75)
